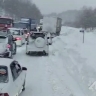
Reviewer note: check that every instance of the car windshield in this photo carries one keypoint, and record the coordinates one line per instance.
(3, 74)
(3, 33)
(5, 21)
(15, 32)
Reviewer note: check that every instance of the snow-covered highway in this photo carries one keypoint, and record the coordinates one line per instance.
(63, 73)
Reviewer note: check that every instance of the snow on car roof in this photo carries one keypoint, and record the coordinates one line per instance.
(5, 61)
(16, 28)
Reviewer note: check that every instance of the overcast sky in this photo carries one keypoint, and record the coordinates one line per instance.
(48, 6)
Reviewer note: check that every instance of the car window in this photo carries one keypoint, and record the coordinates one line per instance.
(15, 69)
(4, 74)
(14, 32)
(39, 35)
(18, 68)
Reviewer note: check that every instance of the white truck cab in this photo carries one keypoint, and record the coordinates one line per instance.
(38, 43)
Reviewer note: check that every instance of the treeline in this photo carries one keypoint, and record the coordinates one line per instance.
(86, 19)
(21, 8)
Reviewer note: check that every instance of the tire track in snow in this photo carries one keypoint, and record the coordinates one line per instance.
(68, 58)
(58, 86)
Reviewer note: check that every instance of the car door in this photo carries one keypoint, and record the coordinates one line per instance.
(15, 81)
(16, 78)
(21, 76)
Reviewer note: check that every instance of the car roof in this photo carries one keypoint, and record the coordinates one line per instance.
(16, 28)
(6, 61)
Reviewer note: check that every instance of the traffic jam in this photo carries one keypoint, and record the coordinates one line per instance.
(17, 33)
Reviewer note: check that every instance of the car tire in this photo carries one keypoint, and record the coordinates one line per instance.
(23, 89)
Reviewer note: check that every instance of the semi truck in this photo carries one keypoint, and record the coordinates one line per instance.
(28, 23)
(52, 25)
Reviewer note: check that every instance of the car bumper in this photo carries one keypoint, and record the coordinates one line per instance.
(5, 54)
(18, 42)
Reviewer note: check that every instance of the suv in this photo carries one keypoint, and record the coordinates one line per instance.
(7, 45)
(38, 45)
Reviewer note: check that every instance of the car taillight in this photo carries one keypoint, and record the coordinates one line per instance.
(18, 38)
(27, 33)
(8, 46)
(4, 94)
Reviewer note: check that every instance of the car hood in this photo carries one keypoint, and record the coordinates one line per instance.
(2, 86)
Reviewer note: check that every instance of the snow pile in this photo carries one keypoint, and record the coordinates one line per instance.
(80, 57)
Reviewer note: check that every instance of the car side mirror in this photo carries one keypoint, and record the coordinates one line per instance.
(24, 68)
(47, 37)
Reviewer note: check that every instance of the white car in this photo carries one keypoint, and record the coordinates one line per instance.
(18, 33)
(12, 78)
(38, 43)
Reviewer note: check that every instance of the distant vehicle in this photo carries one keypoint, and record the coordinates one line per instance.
(28, 23)
(52, 25)
(5, 23)
(12, 77)
(7, 45)
(18, 34)
(22, 25)
(38, 44)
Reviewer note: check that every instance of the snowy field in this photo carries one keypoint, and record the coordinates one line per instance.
(69, 70)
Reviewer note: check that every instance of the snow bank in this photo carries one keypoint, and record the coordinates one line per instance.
(80, 57)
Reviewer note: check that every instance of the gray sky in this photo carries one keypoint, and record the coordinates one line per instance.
(48, 6)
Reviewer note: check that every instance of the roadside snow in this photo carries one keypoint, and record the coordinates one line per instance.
(79, 56)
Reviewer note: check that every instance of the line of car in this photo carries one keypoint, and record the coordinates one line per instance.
(12, 74)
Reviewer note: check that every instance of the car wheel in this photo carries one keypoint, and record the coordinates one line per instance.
(23, 89)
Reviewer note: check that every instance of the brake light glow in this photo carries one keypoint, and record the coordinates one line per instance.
(4, 94)
(8, 46)
(28, 33)
(18, 38)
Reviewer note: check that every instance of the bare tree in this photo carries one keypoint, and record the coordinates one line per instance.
(19, 8)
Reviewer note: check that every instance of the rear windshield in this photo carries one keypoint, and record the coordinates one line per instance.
(39, 35)
(15, 32)
(3, 74)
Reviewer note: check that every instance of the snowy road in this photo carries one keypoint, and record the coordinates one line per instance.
(52, 75)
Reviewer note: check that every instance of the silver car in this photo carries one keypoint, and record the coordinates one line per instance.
(7, 45)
